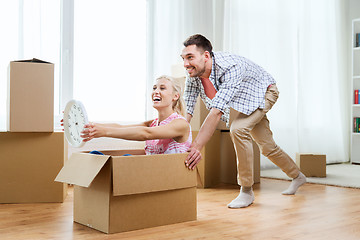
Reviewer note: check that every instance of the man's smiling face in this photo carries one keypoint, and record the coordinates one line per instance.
(194, 60)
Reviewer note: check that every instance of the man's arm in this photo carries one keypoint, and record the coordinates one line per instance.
(206, 131)
(191, 93)
(188, 117)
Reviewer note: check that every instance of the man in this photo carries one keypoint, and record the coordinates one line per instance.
(227, 81)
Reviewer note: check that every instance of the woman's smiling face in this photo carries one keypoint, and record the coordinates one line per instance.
(163, 94)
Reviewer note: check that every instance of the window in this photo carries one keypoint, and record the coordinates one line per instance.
(106, 54)
(30, 29)
(110, 59)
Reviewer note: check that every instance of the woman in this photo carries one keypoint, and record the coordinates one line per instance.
(169, 133)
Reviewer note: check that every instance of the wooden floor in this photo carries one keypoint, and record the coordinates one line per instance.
(315, 212)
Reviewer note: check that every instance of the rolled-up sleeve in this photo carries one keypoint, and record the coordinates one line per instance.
(191, 93)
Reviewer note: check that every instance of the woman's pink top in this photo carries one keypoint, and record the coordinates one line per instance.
(167, 146)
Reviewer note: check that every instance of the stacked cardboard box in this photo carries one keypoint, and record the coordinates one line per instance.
(32, 153)
(218, 164)
(31, 96)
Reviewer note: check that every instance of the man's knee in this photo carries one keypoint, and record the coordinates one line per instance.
(240, 132)
(269, 149)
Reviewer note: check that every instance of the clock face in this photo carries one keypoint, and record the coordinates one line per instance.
(75, 118)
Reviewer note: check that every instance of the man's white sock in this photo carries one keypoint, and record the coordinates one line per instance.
(244, 199)
(295, 184)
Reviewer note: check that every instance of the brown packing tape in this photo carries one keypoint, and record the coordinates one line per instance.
(199, 181)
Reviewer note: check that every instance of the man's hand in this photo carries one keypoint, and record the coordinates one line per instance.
(193, 158)
(206, 131)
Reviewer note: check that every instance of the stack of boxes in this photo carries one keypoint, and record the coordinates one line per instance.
(31, 152)
(218, 164)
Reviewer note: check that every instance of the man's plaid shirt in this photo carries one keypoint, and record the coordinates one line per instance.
(240, 84)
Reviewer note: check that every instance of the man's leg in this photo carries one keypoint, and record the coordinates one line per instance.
(240, 135)
(240, 131)
(264, 138)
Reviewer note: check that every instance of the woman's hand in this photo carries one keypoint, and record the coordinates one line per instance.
(93, 130)
(62, 122)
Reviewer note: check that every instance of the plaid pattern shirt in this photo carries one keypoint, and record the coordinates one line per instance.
(240, 84)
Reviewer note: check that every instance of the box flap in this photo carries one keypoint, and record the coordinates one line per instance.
(310, 154)
(151, 173)
(34, 60)
(81, 169)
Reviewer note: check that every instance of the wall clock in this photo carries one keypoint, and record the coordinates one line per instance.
(75, 118)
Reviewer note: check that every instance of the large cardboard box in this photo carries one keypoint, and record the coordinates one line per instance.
(201, 112)
(218, 162)
(30, 102)
(116, 193)
(311, 165)
(228, 160)
(208, 169)
(29, 163)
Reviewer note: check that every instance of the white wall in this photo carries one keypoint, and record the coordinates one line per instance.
(353, 13)
(354, 9)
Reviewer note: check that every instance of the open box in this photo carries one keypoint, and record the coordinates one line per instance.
(116, 193)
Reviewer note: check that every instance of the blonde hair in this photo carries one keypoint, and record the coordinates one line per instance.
(179, 104)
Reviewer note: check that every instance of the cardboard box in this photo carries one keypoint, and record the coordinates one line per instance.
(208, 169)
(219, 159)
(311, 165)
(115, 193)
(218, 164)
(228, 160)
(201, 112)
(30, 102)
(28, 165)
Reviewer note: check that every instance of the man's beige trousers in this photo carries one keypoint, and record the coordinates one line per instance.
(255, 126)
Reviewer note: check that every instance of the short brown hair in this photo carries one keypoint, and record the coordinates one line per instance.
(200, 41)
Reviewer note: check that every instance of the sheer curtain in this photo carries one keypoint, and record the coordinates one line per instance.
(322, 85)
(300, 42)
(304, 49)
(169, 24)
(29, 29)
